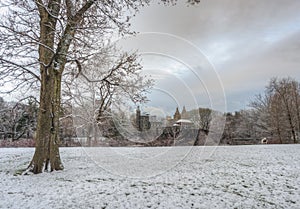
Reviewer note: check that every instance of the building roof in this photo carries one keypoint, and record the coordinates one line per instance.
(184, 121)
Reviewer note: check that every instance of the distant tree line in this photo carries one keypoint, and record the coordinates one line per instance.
(18, 119)
(274, 115)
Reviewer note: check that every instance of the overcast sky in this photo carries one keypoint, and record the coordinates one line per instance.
(238, 45)
(218, 54)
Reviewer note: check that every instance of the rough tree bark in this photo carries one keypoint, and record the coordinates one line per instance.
(52, 65)
(46, 156)
(47, 139)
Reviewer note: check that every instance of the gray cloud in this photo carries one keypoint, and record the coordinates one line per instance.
(247, 42)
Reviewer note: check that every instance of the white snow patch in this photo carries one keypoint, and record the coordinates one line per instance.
(263, 176)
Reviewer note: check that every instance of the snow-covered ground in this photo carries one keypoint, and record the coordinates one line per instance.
(262, 176)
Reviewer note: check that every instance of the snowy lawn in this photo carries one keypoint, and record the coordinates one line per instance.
(262, 176)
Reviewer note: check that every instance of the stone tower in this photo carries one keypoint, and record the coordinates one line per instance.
(184, 114)
(177, 115)
(142, 122)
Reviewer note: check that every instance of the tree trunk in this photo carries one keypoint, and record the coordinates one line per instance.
(292, 127)
(52, 58)
(46, 156)
(277, 124)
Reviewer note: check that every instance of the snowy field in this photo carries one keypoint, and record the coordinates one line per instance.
(262, 176)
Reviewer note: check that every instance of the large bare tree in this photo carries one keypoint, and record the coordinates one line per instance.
(46, 35)
(39, 38)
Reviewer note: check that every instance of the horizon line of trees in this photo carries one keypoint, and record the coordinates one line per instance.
(274, 114)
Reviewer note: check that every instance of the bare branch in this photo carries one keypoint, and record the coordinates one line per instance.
(21, 67)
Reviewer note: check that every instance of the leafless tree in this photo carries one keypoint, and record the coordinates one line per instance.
(285, 95)
(40, 39)
(279, 109)
(102, 83)
(205, 118)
